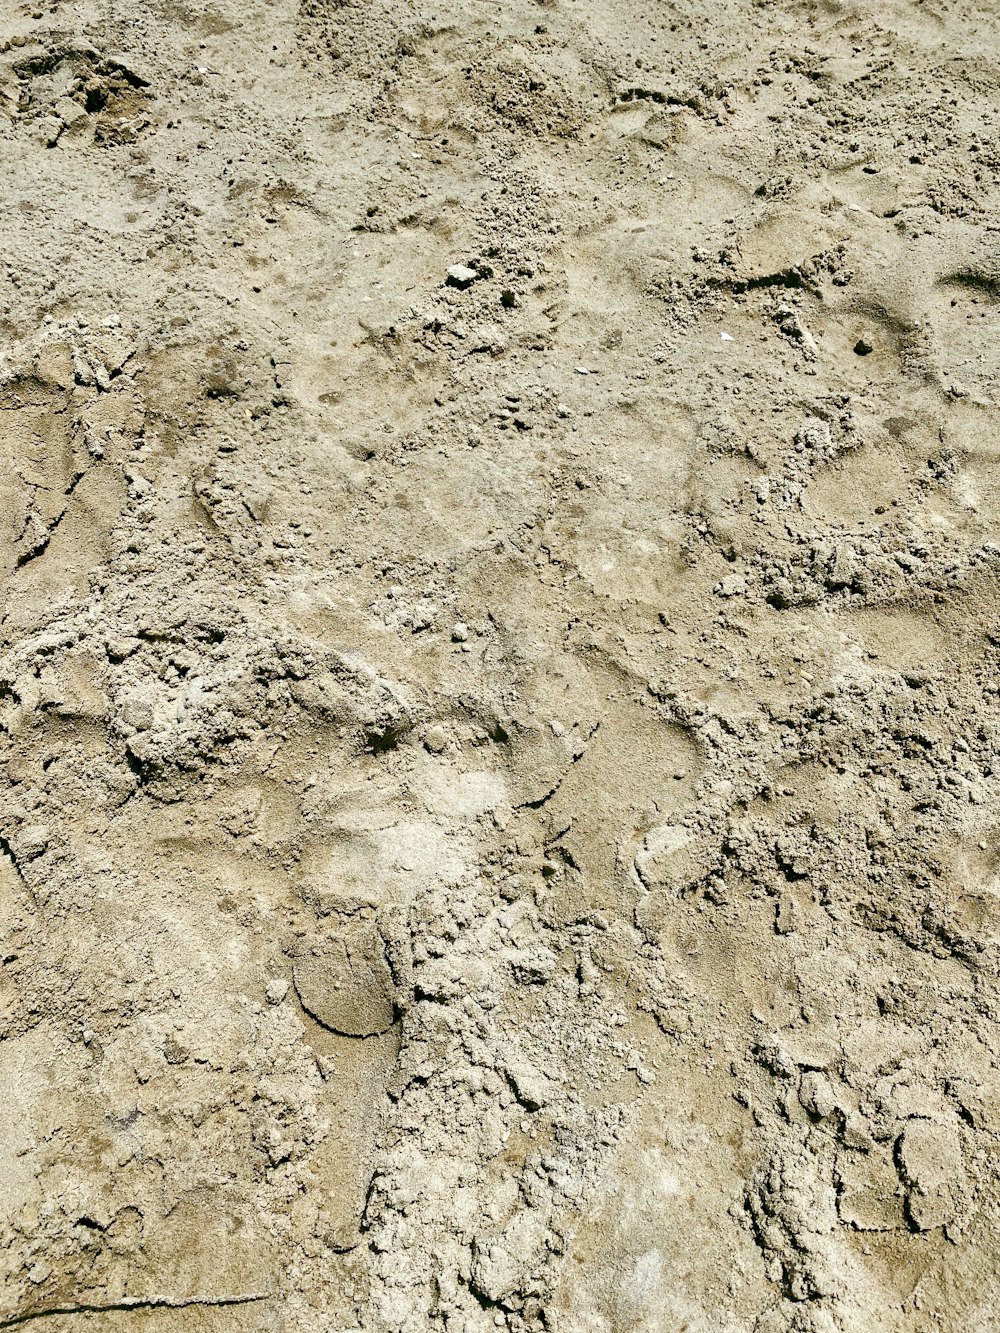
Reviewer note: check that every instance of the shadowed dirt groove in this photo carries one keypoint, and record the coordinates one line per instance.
(11, 1321)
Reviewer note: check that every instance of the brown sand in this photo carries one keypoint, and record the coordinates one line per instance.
(499, 687)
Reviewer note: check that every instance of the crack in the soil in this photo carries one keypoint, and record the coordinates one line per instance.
(135, 1303)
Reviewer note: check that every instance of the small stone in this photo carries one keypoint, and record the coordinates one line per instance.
(864, 345)
(459, 632)
(817, 1096)
(460, 276)
(435, 740)
(731, 586)
(533, 1089)
(276, 991)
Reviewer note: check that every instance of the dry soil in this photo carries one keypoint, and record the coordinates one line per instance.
(500, 666)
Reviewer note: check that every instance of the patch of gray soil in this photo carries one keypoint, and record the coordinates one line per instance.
(499, 666)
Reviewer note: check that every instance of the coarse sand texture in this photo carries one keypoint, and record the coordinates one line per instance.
(500, 666)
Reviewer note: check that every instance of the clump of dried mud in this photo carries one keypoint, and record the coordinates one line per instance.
(499, 689)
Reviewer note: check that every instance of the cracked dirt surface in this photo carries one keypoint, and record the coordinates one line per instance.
(499, 690)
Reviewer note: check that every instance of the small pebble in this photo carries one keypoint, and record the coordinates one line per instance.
(731, 586)
(435, 740)
(459, 275)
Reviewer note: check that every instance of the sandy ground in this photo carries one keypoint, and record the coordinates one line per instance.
(500, 666)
